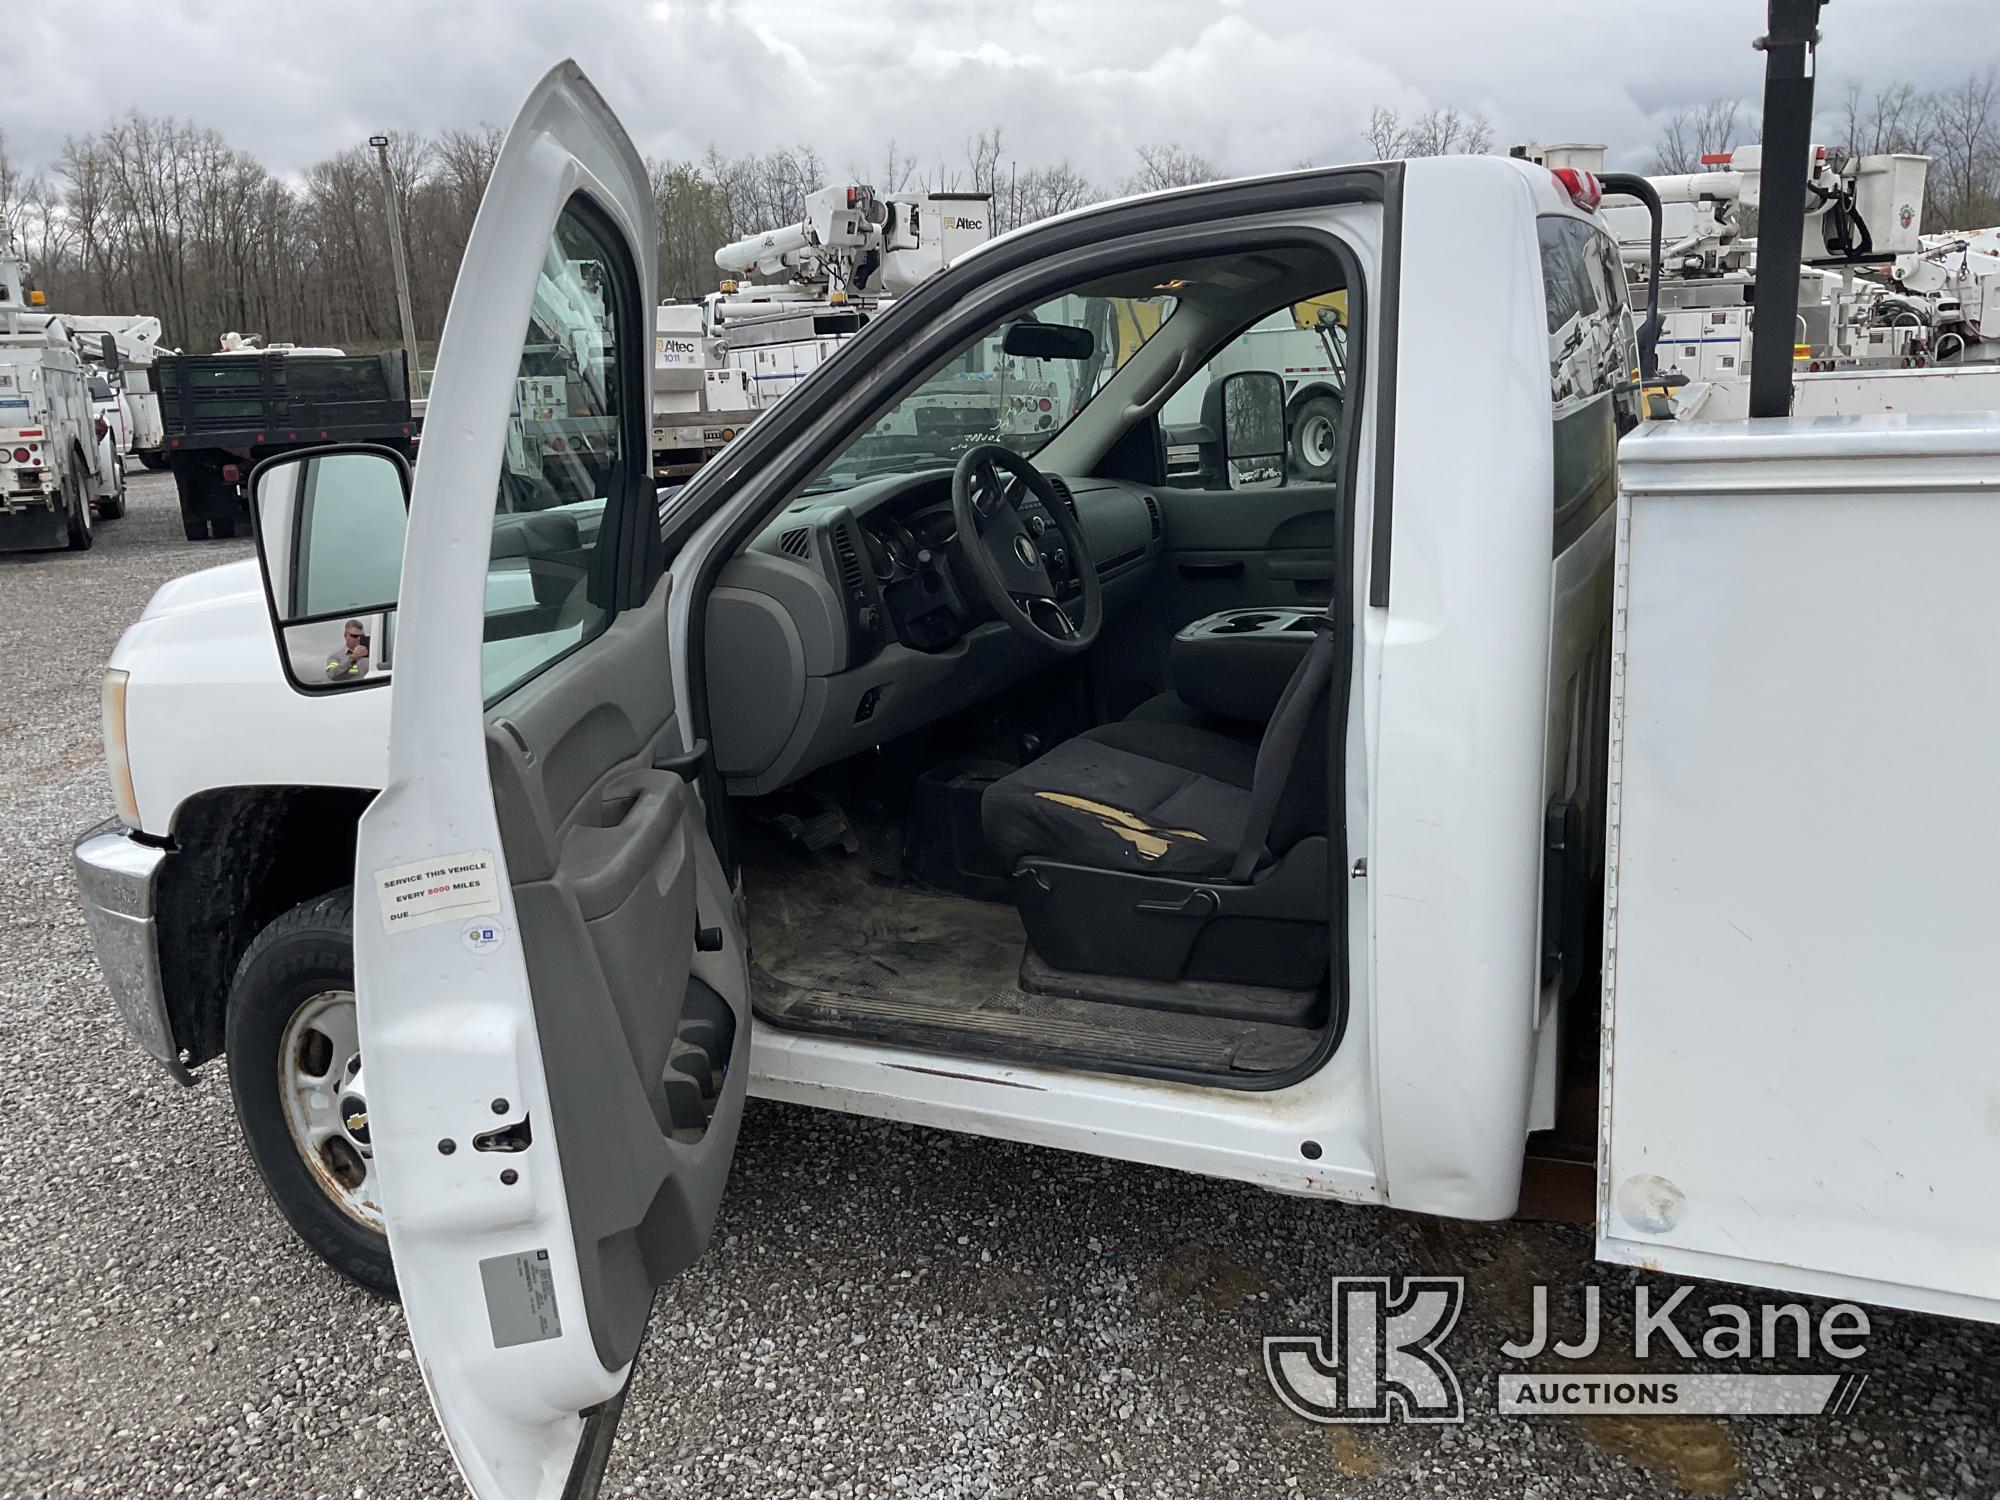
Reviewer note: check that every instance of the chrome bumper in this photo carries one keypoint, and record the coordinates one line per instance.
(114, 875)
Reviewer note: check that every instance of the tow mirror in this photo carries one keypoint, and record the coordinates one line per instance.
(109, 346)
(329, 525)
(1247, 412)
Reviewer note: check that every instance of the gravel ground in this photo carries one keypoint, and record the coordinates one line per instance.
(885, 1309)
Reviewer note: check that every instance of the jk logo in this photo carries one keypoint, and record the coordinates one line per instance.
(1378, 1362)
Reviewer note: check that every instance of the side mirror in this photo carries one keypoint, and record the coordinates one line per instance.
(109, 346)
(1246, 413)
(330, 524)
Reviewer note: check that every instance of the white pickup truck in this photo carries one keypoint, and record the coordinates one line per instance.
(1291, 830)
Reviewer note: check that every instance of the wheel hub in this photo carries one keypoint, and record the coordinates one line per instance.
(326, 1107)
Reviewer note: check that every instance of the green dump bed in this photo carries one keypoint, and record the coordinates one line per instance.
(269, 400)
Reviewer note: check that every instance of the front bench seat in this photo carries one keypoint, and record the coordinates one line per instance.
(1161, 850)
(1165, 798)
(1155, 793)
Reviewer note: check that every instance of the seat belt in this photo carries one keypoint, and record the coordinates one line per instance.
(1279, 748)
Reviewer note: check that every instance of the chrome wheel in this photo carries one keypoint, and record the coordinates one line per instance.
(319, 1077)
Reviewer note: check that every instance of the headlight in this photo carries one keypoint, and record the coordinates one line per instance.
(115, 759)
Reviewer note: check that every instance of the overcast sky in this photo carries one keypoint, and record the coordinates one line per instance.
(1255, 85)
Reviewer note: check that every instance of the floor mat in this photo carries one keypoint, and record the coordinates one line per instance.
(836, 948)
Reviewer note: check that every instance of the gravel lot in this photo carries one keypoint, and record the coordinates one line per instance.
(885, 1310)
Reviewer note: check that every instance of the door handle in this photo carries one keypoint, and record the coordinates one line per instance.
(605, 863)
(1211, 569)
(686, 765)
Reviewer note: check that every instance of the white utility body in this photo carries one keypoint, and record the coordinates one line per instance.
(61, 465)
(1694, 696)
(1798, 972)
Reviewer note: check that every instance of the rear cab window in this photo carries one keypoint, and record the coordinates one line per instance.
(1593, 368)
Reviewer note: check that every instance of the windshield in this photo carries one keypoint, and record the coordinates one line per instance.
(986, 395)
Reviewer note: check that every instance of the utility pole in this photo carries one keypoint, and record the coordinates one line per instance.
(1788, 47)
(381, 145)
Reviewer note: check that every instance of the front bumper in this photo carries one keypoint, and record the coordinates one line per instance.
(115, 875)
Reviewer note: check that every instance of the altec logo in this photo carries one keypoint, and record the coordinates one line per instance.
(1379, 1360)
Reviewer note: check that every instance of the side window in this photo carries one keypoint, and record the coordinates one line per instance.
(569, 448)
(1593, 360)
(1305, 345)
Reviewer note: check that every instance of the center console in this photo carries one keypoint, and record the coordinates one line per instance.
(1236, 662)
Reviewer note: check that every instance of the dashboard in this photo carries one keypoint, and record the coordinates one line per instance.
(851, 619)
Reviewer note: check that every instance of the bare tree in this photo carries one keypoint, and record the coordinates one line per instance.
(1892, 120)
(1697, 131)
(1965, 143)
(1168, 166)
(1435, 132)
(1043, 192)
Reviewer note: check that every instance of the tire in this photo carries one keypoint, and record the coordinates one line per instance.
(1315, 442)
(81, 537)
(153, 459)
(288, 975)
(114, 508)
(222, 528)
(187, 489)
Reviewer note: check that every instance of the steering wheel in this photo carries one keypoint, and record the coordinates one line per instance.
(1005, 557)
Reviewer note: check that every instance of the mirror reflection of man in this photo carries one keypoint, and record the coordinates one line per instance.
(350, 662)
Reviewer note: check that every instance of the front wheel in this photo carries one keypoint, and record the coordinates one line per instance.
(295, 1073)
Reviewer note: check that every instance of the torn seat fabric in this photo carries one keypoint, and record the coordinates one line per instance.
(1165, 799)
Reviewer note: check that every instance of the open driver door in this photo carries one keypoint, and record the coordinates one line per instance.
(552, 984)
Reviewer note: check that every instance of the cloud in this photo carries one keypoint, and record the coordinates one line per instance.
(1254, 85)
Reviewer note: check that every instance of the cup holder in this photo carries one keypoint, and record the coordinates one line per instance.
(1242, 624)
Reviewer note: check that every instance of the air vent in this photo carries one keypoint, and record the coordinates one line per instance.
(1068, 500)
(798, 542)
(1153, 514)
(850, 562)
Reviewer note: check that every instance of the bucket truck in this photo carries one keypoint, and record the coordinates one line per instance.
(58, 459)
(1956, 279)
(1862, 212)
(789, 298)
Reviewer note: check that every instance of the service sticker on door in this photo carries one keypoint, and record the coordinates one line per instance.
(448, 888)
(520, 1298)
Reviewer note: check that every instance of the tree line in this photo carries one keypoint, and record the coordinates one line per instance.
(165, 216)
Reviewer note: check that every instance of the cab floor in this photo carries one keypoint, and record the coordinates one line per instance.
(838, 946)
